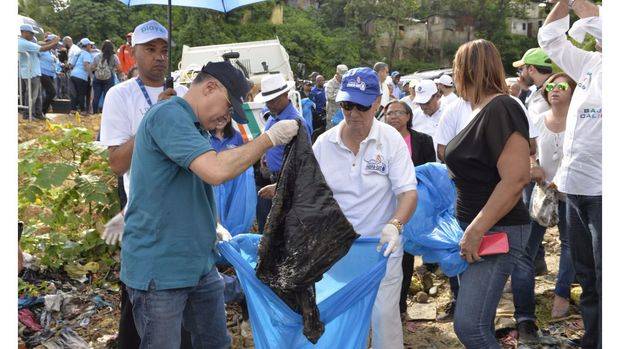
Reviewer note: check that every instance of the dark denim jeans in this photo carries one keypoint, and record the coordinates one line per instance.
(159, 314)
(584, 221)
(523, 281)
(481, 287)
(100, 88)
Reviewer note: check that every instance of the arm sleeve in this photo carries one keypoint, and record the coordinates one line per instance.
(115, 125)
(501, 121)
(572, 60)
(444, 132)
(177, 137)
(401, 170)
(88, 58)
(27, 46)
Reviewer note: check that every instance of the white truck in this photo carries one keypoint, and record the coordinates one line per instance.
(256, 59)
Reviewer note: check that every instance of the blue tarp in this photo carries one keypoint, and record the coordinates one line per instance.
(433, 231)
(344, 297)
(236, 202)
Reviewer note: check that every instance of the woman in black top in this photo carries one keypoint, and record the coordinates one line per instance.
(489, 162)
(399, 115)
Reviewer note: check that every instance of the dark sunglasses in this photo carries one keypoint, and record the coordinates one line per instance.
(562, 86)
(348, 106)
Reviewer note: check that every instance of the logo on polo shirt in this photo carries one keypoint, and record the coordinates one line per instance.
(358, 84)
(376, 165)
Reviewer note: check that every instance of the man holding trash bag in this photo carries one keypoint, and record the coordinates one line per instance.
(367, 166)
(168, 255)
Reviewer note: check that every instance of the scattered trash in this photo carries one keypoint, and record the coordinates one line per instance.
(27, 302)
(100, 303)
(53, 302)
(421, 297)
(78, 272)
(27, 318)
(432, 291)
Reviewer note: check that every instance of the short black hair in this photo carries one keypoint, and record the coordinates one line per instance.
(543, 70)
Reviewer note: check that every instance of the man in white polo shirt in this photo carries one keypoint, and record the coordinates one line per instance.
(445, 85)
(426, 118)
(367, 165)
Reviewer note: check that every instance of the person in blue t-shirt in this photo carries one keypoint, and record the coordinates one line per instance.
(79, 76)
(224, 136)
(49, 68)
(317, 95)
(30, 68)
(169, 243)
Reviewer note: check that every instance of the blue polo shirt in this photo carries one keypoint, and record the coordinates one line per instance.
(29, 65)
(317, 95)
(227, 143)
(275, 155)
(169, 236)
(78, 70)
(48, 64)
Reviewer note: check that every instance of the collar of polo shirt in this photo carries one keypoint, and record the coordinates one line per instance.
(372, 135)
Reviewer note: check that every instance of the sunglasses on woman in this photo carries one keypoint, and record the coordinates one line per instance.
(562, 86)
(348, 106)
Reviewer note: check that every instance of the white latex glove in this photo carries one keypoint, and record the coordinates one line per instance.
(282, 132)
(113, 232)
(222, 233)
(391, 236)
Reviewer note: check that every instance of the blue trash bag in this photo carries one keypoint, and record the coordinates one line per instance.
(236, 202)
(344, 297)
(433, 232)
(306, 106)
(337, 117)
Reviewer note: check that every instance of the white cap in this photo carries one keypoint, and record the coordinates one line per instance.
(424, 90)
(445, 80)
(86, 41)
(149, 31)
(341, 69)
(274, 85)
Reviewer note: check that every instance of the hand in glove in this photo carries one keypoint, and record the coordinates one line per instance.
(282, 132)
(222, 233)
(113, 231)
(391, 236)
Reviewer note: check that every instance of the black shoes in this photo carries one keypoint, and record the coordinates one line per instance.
(528, 332)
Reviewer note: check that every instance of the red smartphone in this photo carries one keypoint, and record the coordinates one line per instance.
(495, 243)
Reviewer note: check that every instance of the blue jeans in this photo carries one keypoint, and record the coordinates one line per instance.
(584, 218)
(159, 314)
(481, 287)
(100, 88)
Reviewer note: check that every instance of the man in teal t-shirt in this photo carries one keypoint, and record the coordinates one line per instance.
(168, 247)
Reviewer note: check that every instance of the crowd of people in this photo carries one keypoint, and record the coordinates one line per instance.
(81, 73)
(369, 132)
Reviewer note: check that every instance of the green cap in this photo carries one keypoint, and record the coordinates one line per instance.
(534, 56)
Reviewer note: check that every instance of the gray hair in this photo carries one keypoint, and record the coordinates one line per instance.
(379, 66)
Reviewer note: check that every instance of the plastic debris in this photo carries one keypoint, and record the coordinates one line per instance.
(27, 302)
(27, 318)
(53, 302)
(100, 303)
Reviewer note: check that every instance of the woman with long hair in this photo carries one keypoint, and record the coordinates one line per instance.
(105, 66)
(489, 162)
(558, 91)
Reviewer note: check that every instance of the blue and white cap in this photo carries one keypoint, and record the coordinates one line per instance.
(149, 31)
(359, 85)
(86, 41)
(26, 28)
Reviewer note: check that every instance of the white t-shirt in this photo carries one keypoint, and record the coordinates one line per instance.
(409, 101)
(427, 124)
(580, 172)
(366, 186)
(454, 118)
(549, 150)
(385, 92)
(446, 100)
(123, 109)
(536, 104)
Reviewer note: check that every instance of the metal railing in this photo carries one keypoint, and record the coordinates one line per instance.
(29, 103)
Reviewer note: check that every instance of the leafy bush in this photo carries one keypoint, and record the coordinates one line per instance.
(66, 194)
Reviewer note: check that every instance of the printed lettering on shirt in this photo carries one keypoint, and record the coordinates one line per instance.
(585, 82)
(376, 165)
(591, 113)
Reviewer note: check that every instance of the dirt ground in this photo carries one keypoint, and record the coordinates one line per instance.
(102, 327)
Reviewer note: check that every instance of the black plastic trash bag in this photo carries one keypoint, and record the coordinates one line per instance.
(305, 234)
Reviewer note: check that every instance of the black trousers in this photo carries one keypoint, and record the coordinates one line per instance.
(408, 261)
(49, 89)
(80, 101)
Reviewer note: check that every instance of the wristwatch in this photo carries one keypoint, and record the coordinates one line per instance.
(395, 222)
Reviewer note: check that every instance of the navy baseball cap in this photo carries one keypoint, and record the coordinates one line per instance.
(359, 85)
(235, 83)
